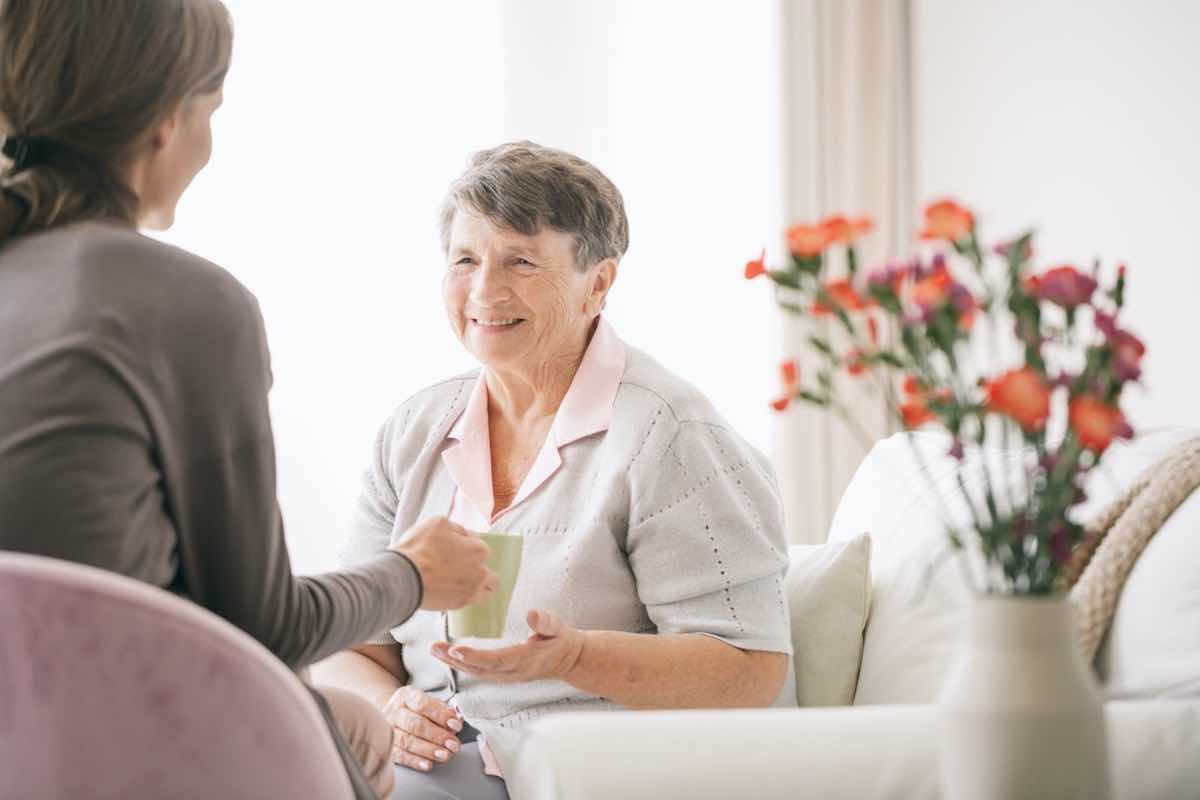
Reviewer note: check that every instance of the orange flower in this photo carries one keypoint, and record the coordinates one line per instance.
(756, 267)
(947, 220)
(1021, 394)
(807, 241)
(790, 373)
(840, 229)
(843, 295)
(915, 413)
(856, 364)
(1096, 423)
(873, 330)
(932, 291)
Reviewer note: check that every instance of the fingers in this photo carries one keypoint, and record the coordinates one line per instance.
(425, 730)
(432, 709)
(423, 750)
(410, 760)
(544, 623)
(491, 582)
(412, 724)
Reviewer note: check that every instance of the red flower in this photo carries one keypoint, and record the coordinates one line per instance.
(840, 229)
(1127, 349)
(947, 220)
(1023, 395)
(807, 241)
(843, 295)
(756, 267)
(1096, 423)
(872, 330)
(1064, 286)
(781, 403)
(1127, 355)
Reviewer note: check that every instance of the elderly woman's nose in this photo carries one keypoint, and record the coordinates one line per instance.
(489, 283)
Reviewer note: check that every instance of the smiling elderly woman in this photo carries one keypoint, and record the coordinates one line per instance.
(653, 535)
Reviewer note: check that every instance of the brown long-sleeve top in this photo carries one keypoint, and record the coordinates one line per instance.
(135, 436)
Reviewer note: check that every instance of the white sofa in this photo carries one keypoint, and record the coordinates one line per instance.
(885, 744)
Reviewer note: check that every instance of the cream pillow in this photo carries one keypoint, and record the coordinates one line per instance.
(829, 595)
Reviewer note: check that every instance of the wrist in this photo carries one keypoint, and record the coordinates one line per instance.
(575, 662)
(418, 569)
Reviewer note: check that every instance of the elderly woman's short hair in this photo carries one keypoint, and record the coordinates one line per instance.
(525, 187)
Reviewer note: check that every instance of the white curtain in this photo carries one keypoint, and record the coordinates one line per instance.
(847, 147)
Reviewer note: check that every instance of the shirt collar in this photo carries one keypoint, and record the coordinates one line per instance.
(587, 406)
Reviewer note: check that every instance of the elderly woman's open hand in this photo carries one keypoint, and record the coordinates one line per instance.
(550, 653)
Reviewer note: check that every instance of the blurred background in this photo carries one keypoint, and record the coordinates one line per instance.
(720, 121)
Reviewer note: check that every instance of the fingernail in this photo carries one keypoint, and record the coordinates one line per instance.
(455, 652)
(455, 724)
(453, 745)
(440, 755)
(425, 765)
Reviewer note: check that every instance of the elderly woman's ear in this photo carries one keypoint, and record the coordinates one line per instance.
(606, 275)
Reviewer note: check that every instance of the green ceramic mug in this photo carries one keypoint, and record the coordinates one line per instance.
(486, 620)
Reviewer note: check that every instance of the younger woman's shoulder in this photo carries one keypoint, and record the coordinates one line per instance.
(129, 256)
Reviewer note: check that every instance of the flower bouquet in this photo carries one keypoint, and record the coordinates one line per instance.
(984, 346)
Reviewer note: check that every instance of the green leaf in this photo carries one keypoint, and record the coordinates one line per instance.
(891, 359)
(784, 278)
(820, 344)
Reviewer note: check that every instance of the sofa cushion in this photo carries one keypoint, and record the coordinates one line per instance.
(829, 589)
(919, 591)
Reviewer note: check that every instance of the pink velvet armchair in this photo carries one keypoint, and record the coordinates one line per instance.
(113, 689)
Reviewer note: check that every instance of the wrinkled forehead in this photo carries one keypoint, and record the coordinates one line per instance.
(472, 232)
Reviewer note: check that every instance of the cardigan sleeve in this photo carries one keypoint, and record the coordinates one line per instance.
(706, 542)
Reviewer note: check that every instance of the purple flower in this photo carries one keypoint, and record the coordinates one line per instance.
(1064, 286)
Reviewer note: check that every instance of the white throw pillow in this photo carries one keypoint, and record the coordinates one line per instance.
(829, 595)
(912, 630)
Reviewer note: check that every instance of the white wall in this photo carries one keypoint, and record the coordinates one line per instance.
(677, 102)
(339, 134)
(1083, 120)
(342, 127)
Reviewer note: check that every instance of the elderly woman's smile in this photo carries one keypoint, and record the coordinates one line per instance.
(519, 302)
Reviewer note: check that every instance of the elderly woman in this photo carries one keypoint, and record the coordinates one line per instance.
(653, 541)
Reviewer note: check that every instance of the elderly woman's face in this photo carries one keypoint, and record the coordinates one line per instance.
(515, 301)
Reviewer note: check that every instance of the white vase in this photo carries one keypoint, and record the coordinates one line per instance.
(1021, 715)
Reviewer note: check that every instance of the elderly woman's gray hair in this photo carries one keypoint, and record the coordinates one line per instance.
(523, 186)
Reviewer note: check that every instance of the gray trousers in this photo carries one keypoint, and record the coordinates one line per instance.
(461, 778)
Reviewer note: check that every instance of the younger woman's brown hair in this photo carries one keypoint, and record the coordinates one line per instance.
(83, 84)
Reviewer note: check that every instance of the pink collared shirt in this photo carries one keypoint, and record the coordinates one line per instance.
(586, 409)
